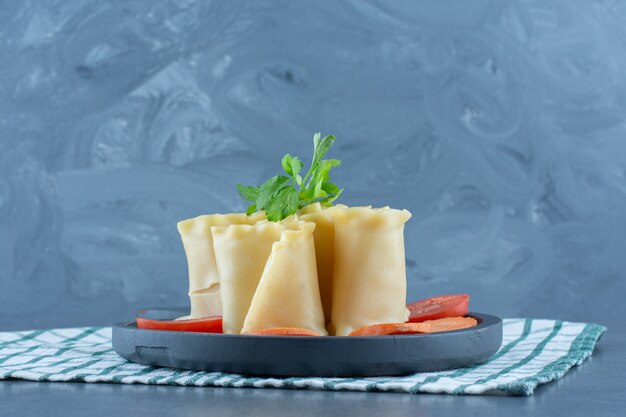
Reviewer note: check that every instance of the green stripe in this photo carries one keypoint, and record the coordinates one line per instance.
(375, 386)
(46, 377)
(330, 385)
(508, 322)
(536, 352)
(211, 381)
(290, 382)
(460, 372)
(39, 358)
(81, 335)
(249, 383)
(191, 381)
(156, 378)
(145, 371)
(175, 376)
(57, 363)
(21, 352)
(36, 358)
(233, 381)
(333, 384)
(33, 360)
(61, 351)
(102, 352)
(57, 334)
(29, 336)
(105, 371)
(30, 368)
(108, 339)
(64, 337)
(581, 348)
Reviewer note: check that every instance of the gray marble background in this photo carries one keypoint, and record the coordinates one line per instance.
(500, 124)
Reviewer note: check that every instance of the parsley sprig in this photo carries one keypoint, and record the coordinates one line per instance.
(282, 195)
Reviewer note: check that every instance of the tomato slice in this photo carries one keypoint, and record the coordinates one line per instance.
(454, 305)
(447, 324)
(387, 329)
(283, 331)
(431, 326)
(211, 324)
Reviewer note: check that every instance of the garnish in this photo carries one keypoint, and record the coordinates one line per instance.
(282, 195)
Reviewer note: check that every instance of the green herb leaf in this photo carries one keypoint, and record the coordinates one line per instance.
(319, 176)
(330, 188)
(251, 209)
(269, 189)
(321, 146)
(284, 204)
(286, 163)
(281, 196)
(330, 199)
(296, 166)
(292, 165)
(248, 192)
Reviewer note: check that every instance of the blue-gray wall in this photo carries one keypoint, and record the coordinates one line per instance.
(500, 125)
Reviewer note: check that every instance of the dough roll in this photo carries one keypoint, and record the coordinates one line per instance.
(288, 293)
(241, 252)
(324, 239)
(204, 286)
(369, 274)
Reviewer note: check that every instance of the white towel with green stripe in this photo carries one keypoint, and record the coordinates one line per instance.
(533, 352)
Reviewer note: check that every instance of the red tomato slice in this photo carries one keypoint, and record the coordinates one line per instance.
(387, 329)
(211, 324)
(431, 326)
(283, 331)
(455, 305)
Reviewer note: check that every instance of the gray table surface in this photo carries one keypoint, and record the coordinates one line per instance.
(597, 388)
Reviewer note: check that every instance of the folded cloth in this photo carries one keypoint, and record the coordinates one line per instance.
(533, 352)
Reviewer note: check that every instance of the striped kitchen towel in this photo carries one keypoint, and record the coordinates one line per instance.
(533, 352)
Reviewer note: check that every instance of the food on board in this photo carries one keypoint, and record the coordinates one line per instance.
(295, 264)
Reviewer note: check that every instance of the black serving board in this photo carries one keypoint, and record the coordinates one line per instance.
(307, 356)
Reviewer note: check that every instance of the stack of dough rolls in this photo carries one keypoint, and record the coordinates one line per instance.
(334, 269)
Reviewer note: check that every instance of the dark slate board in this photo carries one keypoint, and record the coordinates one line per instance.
(307, 356)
